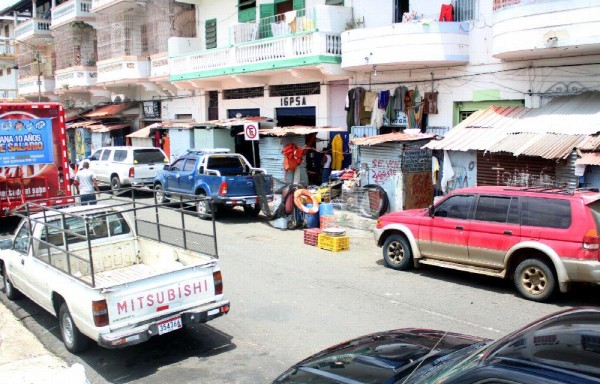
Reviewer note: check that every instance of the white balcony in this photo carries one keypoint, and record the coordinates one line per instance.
(406, 46)
(8, 49)
(313, 48)
(117, 6)
(524, 29)
(28, 86)
(72, 11)
(159, 65)
(75, 77)
(122, 70)
(33, 28)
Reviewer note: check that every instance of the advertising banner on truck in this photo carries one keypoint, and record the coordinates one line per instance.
(26, 142)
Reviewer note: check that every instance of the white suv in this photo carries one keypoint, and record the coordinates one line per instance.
(127, 166)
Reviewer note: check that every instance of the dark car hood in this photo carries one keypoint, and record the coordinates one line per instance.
(376, 358)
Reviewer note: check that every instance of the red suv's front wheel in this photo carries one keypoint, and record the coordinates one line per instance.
(397, 253)
(534, 280)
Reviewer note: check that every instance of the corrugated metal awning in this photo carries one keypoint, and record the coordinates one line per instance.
(235, 121)
(107, 127)
(391, 137)
(588, 158)
(297, 130)
(547, 146)
(555, 122)
(110, 110)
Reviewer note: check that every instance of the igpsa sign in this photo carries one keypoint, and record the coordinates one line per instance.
(26, 141)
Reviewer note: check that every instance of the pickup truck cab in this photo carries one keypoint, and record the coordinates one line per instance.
(227, 179)
(127, 166)
(114, 278)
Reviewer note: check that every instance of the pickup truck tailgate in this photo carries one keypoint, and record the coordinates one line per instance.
(160, 295)
(240, 186)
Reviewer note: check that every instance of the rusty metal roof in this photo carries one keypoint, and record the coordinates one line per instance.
(590, 143)
(551, 131)
(235, 121)
(588, 158)
(301, 130)
(546, 145)
(110, 110)
(391, 137)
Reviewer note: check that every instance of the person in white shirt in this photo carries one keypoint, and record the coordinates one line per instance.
(85, 180)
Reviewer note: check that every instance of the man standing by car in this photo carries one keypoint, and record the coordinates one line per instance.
(85, 180)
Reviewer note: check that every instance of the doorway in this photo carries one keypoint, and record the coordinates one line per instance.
(400, 6)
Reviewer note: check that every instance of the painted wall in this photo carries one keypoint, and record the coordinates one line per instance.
(464, 165)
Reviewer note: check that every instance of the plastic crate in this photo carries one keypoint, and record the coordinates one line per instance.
(311, 236)
(329, 221)
(334, 243)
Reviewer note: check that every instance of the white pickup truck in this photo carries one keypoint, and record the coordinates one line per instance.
(116, 274)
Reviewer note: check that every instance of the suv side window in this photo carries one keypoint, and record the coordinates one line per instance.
(106, 154)
(120, 155)
(189, 165)
(455, 207)
(96, 155)
(492, 208)
(551, 213)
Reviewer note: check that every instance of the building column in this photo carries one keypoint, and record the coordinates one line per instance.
(53, 3)
(16, 18)
(33, 9)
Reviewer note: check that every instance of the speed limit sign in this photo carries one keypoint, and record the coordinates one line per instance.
(250, 132)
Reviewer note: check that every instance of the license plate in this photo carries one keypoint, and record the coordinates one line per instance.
(169, 325)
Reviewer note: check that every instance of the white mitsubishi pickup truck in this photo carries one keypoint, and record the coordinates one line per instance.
(116, 274)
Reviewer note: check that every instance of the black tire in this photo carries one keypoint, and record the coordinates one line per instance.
(161, 197)
(74, 341)
(535, 280)
(10, 291)
(203, 208)
(397, 253)
(115, 185)
(252, 211)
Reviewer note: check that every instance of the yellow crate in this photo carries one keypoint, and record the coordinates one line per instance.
(334, 243)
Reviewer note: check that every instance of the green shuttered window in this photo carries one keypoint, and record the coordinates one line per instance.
(211, 33)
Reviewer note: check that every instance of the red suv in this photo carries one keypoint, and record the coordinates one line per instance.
(540, 238)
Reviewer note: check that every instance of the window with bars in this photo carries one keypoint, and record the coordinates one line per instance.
(334, 2)
(465, 10)
(246, 11)
(210, 33)
(243, 93)
(295, 89)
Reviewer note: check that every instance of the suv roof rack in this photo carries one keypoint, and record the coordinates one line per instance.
(556, 190)
(209, 150)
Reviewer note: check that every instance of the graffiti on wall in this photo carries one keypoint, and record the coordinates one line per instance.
(419, 190)
(380, 170)
(520, 178)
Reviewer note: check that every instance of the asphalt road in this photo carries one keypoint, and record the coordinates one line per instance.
(290, 300)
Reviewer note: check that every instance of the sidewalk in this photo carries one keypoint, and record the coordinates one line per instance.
(23, 359)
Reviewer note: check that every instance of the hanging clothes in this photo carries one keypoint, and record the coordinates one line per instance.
(399, 94)
(350, 122)
(390, 112)
(447, 13)
(370, 97)
(359, 102)
(384, 99)
(377, 115)
(337, 152)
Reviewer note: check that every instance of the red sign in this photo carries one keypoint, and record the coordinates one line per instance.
(250, 131)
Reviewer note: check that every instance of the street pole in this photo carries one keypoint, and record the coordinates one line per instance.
(39, 83)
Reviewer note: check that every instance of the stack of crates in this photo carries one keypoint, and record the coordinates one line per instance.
(311, 236)
(334, 243)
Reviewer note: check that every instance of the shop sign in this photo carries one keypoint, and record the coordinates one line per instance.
(151, 109)
(293, 101)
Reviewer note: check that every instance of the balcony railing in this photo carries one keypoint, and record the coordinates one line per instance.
(33, 27)
(8, 49)
(72, 10)
(75, 77)
(29, 85)
(159, 65)
(260, 51)
(123, 69)
(275, 26)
